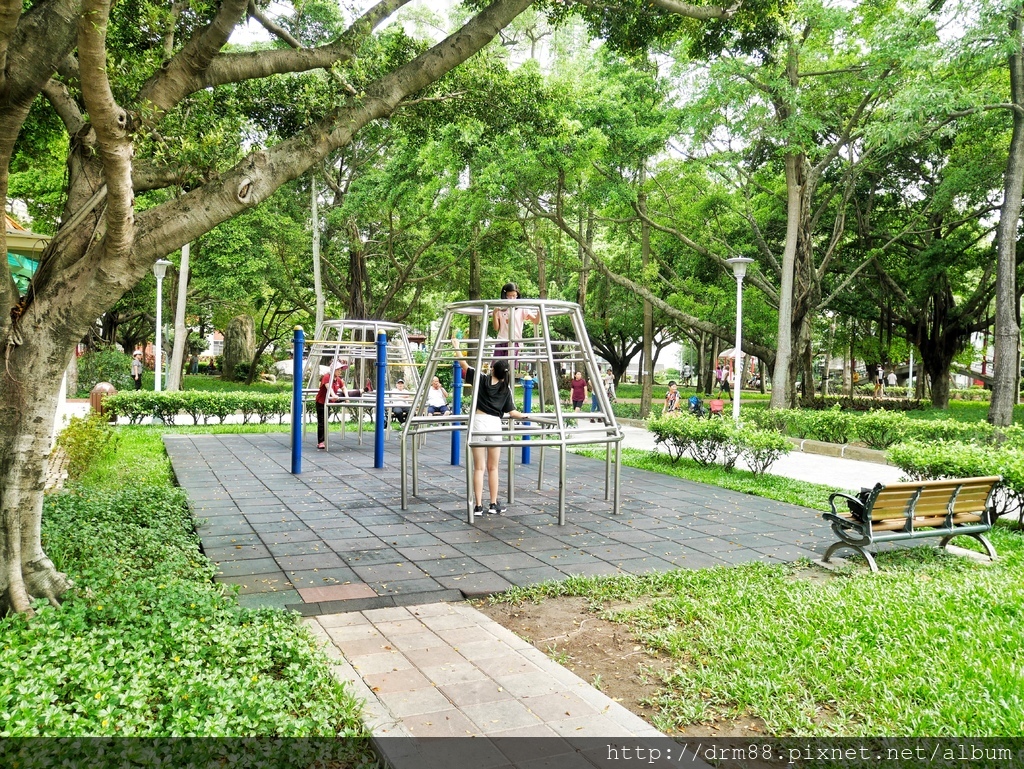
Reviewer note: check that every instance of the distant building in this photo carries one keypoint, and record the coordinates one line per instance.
(23, 251)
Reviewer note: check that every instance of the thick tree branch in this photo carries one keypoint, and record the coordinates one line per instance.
(762, 352)
(699, 12)
(149, 176)
(176, 8)
(753, 277)
(10, 12)
(172, 224)
(111, 124)
(177, 77)
(43, 37)
(186, 74)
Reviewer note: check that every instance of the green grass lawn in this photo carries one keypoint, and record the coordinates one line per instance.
(147, 645)
(928, 647)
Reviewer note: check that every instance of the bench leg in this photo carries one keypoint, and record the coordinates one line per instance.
(989, 550)
(838, 545)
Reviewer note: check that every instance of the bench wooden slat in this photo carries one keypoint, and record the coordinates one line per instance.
(914, 485)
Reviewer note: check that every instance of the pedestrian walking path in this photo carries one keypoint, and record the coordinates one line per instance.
(447, 670)
(837, 471)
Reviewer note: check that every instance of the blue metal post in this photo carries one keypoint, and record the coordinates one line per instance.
(380, 423)
(457, 408)
(298, 350)
(527, 408)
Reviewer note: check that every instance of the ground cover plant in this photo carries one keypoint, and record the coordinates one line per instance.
(917, 650)
(146, 645)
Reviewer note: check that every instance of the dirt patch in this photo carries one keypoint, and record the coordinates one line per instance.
(605, 655)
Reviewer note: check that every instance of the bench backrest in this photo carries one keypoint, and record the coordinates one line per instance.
(931, 501)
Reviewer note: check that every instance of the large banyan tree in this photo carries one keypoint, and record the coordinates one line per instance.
(140, 90)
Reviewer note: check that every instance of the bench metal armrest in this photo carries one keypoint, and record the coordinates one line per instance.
(845, 523)
(849, 498)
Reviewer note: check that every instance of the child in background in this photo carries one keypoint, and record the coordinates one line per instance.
(672, 398)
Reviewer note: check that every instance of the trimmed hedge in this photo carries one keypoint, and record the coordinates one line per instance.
(865, 403)
(953, 459)
(879, 428)
(717, 440)
(199, 404)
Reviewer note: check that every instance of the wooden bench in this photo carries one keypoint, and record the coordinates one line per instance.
(907, 511)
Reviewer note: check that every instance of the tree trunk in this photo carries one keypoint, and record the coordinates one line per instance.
(239, 344)
(174, 370)
(72, 375)
(782, 375)
(1006, 359)
(318, 283)
(584, 257)
(938, 368)
(26, 434)
(475, 281)
(357, 278)
(701, 361)
(647, 373)
(712, 364)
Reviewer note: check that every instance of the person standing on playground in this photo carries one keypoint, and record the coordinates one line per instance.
(891, 379)
(331, 380)
(879, 381)
(137, 369)
(493, 402)
(509, 322)
(578, 388)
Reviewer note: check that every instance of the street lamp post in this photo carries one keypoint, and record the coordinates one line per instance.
(739, 269)
(159, 270)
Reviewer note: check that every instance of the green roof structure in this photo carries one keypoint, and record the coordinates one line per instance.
(23, 250)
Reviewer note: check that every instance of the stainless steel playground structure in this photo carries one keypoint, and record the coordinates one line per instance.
(559, 344)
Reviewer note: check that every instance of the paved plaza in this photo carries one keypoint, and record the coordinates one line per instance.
(383, 587)
(335, 538)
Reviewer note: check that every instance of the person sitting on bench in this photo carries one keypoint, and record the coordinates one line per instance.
(437, 399)
(400, 413)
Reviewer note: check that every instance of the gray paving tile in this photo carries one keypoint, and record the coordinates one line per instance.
(239, 568)
(322, 577)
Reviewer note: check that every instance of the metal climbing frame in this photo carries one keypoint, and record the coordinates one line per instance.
(355, 342)
(540, 356)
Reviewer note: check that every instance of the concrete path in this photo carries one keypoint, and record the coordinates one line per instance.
(803, 466)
